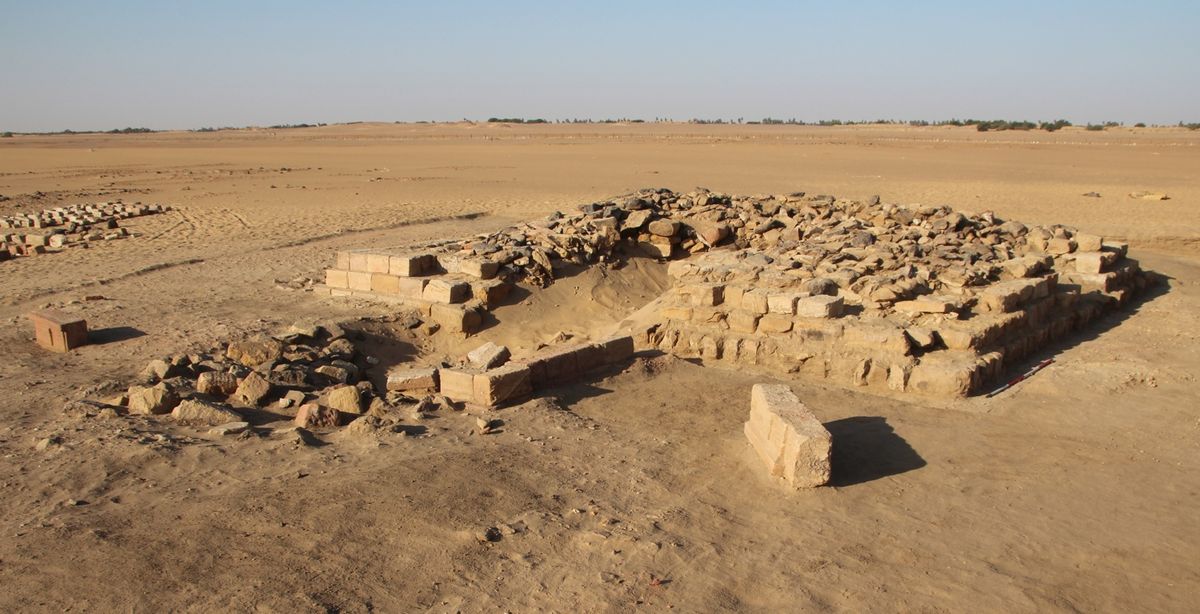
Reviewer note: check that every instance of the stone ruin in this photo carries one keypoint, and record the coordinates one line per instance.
(907, 299)
(63, 227)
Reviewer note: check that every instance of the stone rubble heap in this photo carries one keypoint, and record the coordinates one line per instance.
(318, 377)
(925, 299)
(62, 227)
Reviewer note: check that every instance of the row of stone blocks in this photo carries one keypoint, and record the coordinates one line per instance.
(517, 379)
(882, 354)
(402, 264)
(792, 443)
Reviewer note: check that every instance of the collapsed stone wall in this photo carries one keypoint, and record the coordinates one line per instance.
(921, 299)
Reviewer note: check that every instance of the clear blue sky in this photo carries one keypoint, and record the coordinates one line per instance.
(182, 64)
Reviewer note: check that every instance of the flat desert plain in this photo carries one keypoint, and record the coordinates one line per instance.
(1076, 491)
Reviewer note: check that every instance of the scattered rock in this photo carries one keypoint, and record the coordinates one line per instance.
(203, 413)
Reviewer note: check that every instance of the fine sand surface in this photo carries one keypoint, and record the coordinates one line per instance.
(1075, 492)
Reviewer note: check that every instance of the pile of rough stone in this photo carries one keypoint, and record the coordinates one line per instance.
(62, 227)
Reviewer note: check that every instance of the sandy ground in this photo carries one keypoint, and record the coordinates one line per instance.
(636, 489)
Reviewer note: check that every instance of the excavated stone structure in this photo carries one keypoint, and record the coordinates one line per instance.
(911, 299)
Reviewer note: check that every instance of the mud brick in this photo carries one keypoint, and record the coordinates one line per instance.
(822, 306)
(792, 443)
(445, 291)
(502, 384)
(382, 283)
(457, 385)
(742, 321)
(377, 262)
(359, 280)
(335, 278)
(455, 318)
(58, 331)
(358, 262)
(409, 379)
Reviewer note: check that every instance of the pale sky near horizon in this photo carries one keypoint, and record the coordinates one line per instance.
(174, 65)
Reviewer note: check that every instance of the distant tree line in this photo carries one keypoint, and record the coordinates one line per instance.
(515, 120)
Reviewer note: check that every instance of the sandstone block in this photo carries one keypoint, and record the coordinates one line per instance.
(792, 443)
(202, 413)
(359, 280)
(822, 306)
(378, 263)
(335, 278)
(1094, 262)
(313, 415)
(488, 356)
(382, 283)
(345, 399)
(506, 383)
(253, 389)
(455, 318)
(406, 379)
(58, 331)
(216, 383)
(457, 385)
(446, 291)
(157, 399)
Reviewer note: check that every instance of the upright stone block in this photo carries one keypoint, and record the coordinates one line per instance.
(791, 442)
(457, 385)
(58, 331)
(502, 384)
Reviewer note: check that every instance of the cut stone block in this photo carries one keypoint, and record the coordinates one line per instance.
(490, 292)
(656, 250)
(197, 412)
(742, 321)
(1094, 262)
(58, 331)
(382, 283)
(358, 262)
(488, 356)
(409, 379)
(313, 415)
(792, 443)
(483, 269)
(617, 349)
(553, 365)
(378, 263)
(927, 304)
(775, 323)
(455, 318)
(502, 384)
(821, 306)
(447, 292)
(784, 304)
(359, 280)
(457, 385)
(335, 278)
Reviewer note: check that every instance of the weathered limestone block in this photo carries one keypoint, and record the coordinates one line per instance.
(784, 304)
(490, 292)
(502, 384)
(706, 295)
(377, 262)
(252, 389)
(756, 301)
(1088, 242)
(616, 349)
(358, 261)
(157, 399)
(943, 376)
(346, 399)
(656, 250)
(412, 379)
(553, 365)
(793, 444)
(877, 335)
(382, 283)
(663, 228)
(774, 323)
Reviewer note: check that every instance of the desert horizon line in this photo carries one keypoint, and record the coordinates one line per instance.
(982, 125)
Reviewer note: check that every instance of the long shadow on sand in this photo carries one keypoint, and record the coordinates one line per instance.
(866, 448)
